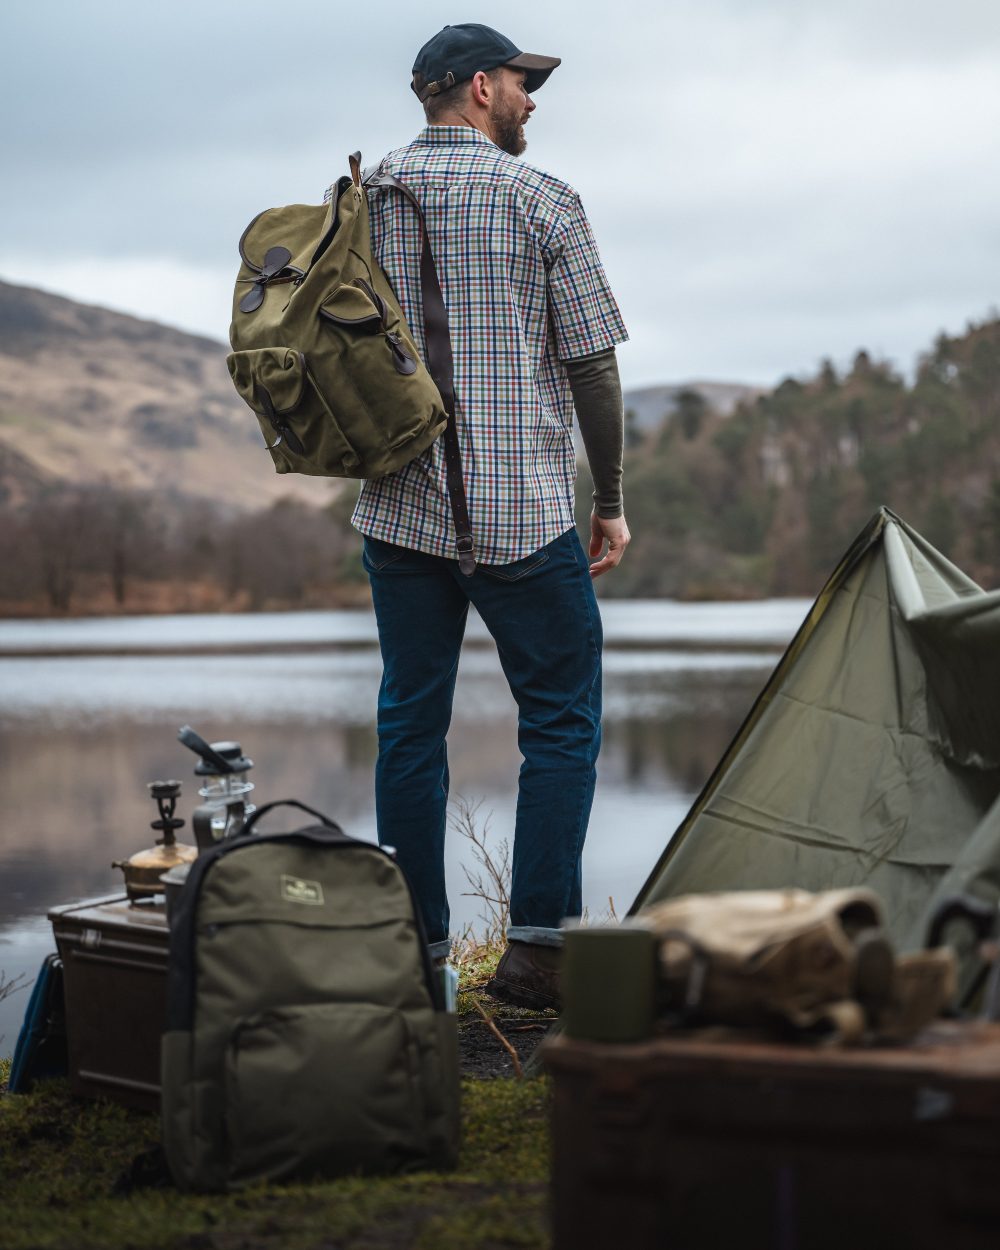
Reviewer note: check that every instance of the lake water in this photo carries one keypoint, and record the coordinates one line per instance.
(89, 712)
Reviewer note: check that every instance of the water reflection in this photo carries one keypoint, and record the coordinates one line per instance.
(80, 736)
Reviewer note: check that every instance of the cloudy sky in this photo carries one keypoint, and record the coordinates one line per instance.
(770, 181)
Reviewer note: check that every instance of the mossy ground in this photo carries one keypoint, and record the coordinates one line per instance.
(72, 1176)
(67, 1169)
(482, 1054)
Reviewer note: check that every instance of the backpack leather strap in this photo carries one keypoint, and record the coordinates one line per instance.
(441, 365)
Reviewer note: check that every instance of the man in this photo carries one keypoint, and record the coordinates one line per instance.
(533, 328)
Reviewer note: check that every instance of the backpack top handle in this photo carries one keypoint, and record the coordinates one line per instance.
(267, 807)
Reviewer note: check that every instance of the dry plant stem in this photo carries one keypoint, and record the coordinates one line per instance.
(518, 1070)
(491, 882)
(12, 986)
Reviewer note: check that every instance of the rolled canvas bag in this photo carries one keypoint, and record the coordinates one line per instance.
(306, 1031)
(817, 963)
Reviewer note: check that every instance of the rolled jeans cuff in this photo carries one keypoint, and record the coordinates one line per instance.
(535, 934)
(439, 950)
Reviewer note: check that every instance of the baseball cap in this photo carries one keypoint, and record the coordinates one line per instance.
(457, 52)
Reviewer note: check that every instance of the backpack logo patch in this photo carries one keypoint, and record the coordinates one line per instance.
(297, 890)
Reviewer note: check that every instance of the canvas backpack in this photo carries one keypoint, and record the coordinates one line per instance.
(306, 1033)
(322, 353)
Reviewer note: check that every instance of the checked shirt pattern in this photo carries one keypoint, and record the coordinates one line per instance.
(525, 290)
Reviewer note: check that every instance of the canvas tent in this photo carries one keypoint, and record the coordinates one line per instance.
(872, 756)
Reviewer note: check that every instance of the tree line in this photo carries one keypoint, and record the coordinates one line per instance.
(102, 549)
(762, 502)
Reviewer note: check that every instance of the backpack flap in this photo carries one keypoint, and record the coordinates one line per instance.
(293, 230)
(350, 306)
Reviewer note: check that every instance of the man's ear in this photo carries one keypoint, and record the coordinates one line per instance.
(482, 88)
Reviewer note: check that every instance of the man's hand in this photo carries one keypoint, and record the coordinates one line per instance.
(612, 530)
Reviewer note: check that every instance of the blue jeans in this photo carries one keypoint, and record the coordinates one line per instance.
(543, 615)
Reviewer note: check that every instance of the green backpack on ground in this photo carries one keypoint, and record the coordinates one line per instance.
(306, 1032)
(321, 351)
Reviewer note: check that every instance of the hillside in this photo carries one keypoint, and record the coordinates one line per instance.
(89, 396)
(132, 477)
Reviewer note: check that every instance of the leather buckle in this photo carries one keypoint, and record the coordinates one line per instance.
(466, 548)
(423, 89)
(442, 84)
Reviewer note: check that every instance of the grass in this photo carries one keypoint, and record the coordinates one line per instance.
(67, 1169)
(71, 1171)
(476, 962)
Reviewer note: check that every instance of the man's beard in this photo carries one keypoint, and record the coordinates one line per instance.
(508, 132)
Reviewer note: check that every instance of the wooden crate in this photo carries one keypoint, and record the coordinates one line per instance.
(700, 1142)
(115, 973)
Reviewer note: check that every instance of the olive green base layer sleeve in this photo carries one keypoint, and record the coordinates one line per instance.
(597, 398)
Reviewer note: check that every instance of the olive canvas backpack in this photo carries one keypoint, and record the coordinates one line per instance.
(306, 1032)
(322, 353)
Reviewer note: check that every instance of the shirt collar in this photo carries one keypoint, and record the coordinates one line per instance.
(452, 134)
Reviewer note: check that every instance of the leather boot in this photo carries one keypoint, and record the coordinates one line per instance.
(527, 975)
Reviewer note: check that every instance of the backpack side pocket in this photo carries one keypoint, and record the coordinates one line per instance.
(301, 432)
(392, 388)
(177, 1106)
(444, 1129)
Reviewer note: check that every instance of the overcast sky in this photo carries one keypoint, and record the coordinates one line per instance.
(770, 181)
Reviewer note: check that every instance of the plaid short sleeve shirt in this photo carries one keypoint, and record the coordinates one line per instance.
(525, 290)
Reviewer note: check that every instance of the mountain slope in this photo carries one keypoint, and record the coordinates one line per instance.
(89, 396)
(652, 404)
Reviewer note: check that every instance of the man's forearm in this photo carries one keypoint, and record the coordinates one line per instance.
(597, 398)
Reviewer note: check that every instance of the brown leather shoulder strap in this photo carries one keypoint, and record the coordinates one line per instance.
(441, 365)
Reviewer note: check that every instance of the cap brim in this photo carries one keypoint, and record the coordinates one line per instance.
(536, 68)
